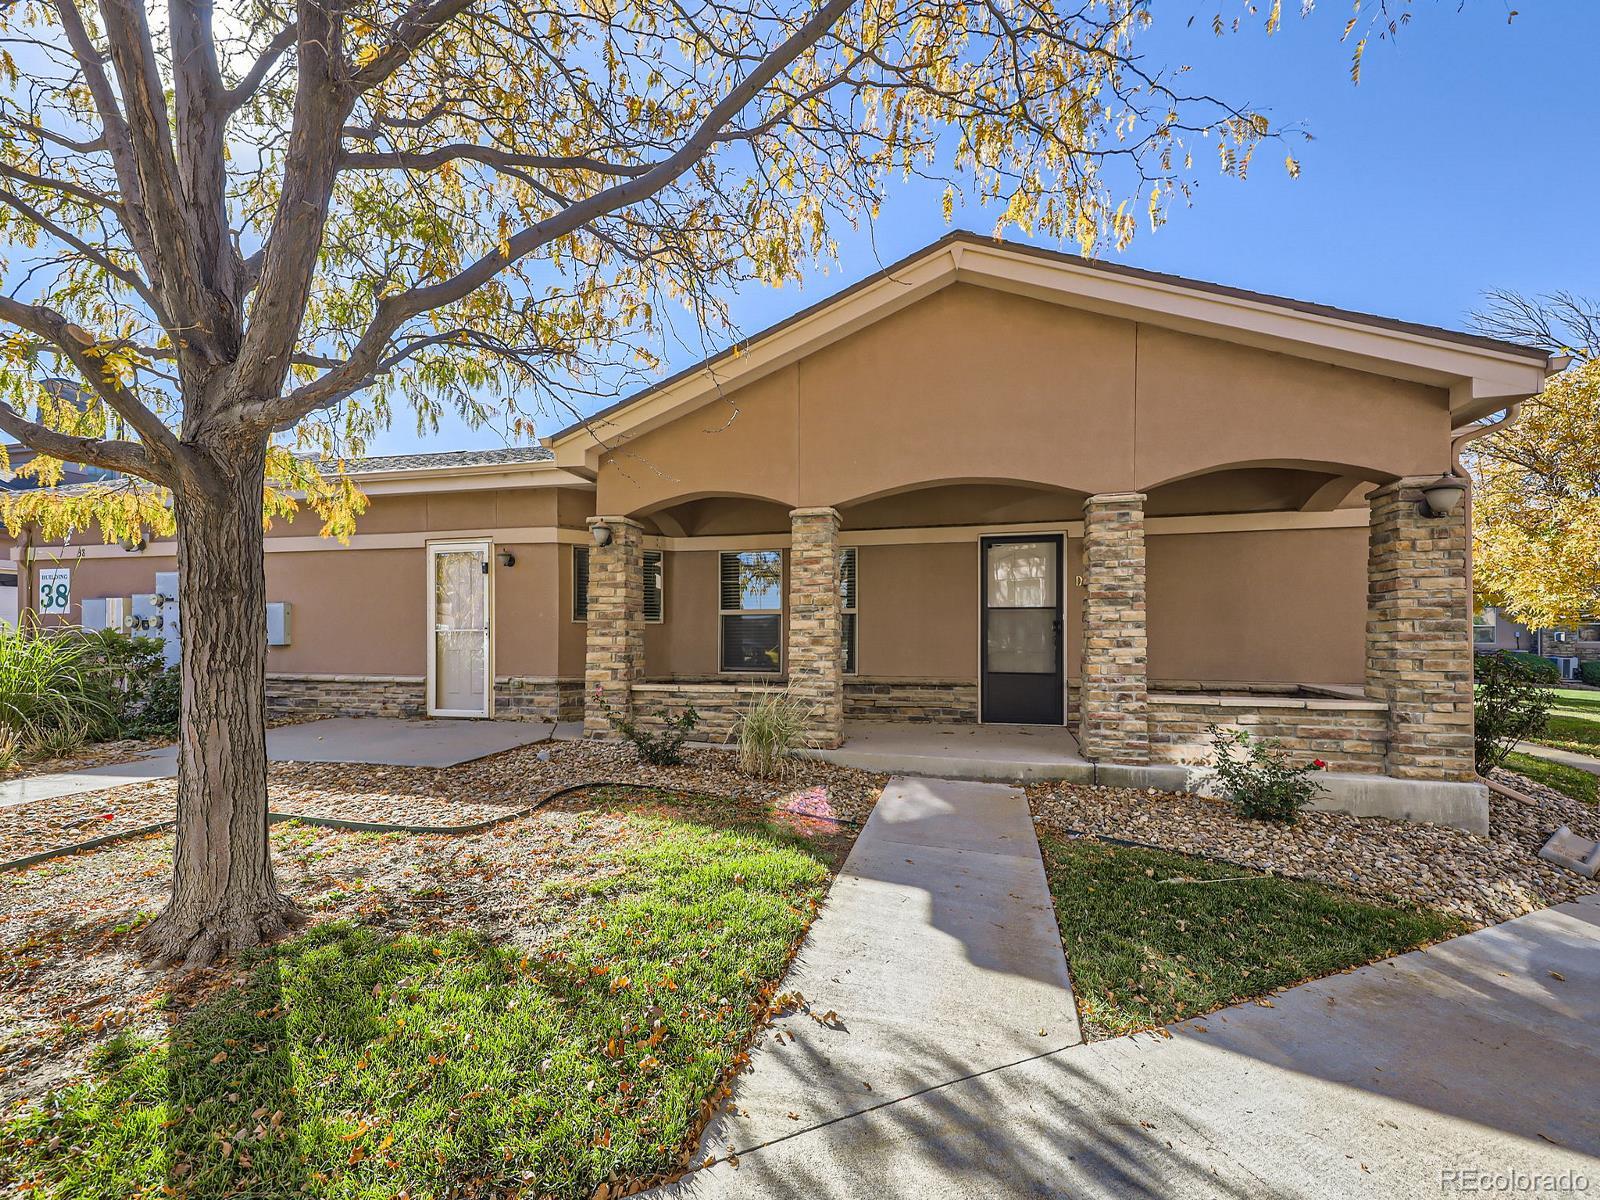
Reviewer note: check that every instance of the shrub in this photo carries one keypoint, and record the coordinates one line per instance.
(659, 748)
(162, 709)
(143, 690)
(1262, 784)
(1589, 672)
(1510, 703)
(769, 731)
(53, 693)
(1541, 669)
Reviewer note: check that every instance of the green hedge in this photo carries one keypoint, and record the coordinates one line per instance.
(1542, 669)
(1589, 672)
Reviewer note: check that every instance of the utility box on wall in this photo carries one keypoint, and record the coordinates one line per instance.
(106, 612)
(279, 613)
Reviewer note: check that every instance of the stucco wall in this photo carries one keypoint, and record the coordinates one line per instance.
(1283, 606)
(982, 386)
(362, 610)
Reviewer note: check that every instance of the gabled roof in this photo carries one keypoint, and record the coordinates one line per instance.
(1482, 374)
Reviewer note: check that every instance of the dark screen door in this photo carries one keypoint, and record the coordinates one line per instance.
(1022, 659)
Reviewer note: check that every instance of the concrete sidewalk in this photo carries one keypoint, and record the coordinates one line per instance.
(384, 741)
(1422, 1075)
(938, 951)
(1567, 758)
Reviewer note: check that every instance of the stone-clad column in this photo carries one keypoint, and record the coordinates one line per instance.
(816, 623)
(615, 654)
(1419, 633)
(1114, 724)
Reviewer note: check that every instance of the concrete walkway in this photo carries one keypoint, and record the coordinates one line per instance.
(1399, 1079)
(385, 741)
(1566, 758)
(939, 954)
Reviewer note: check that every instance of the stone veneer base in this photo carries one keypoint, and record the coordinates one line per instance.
(516, 697)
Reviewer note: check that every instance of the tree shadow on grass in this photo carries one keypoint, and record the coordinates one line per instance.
(233, 1122)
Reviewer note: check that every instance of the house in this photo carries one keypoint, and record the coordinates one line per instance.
(1494, 629)
(990, 484)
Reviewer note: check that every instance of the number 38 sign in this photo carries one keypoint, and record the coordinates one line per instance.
(55, 590)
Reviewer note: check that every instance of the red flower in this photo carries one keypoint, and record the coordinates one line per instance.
(1319, 764)
(108, 816)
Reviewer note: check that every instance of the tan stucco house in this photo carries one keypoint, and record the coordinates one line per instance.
(990, 484)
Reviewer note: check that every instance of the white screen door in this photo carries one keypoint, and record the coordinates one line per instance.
(458, 616)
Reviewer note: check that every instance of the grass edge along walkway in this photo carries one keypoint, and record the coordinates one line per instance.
(1153, 936)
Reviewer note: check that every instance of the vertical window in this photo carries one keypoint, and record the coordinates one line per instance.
(580, 583)
(847, 602)
(1483, 629)
(751, 610)
(655, 580)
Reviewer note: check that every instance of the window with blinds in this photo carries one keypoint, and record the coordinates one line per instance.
(847, 603)
(750, 612)
(580, 583)
(655, 586)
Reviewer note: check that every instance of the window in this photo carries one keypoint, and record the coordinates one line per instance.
(655, 586)
(580, 583)
(751, 610)
(1483, 629)
(847, 602)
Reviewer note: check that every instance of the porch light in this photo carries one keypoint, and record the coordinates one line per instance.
(507, 559)
(602, 534)
(1443, 496)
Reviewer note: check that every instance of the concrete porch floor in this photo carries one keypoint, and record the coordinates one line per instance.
(998, 753)
(982, 752)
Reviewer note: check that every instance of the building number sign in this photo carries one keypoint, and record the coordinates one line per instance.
(55, 590)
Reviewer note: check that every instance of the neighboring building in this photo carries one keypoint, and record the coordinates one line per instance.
(990, 483)
(1493, 630)
(1571, 646)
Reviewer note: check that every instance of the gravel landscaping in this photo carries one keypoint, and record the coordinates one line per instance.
(461, 795)
(1481, 880)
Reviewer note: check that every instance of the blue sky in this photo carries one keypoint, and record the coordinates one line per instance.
(1462, 161)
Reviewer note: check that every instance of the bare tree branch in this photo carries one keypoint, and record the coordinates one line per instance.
(239, 94)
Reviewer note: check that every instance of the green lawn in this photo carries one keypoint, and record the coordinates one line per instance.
(1578, 701)
(354, 1063)
(1574, 722)
(1569, 781)
(1148, 944)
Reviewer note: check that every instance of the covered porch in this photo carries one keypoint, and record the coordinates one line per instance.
(1301, 602)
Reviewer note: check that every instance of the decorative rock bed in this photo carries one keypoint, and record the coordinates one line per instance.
(1483, 880)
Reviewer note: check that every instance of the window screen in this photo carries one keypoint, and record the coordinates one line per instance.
(580, 583)
(655, 586)
(751, 610)
(847, 603)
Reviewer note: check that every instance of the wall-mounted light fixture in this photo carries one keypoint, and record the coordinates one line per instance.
(1443, 496)
(507, 559)
(602, 534)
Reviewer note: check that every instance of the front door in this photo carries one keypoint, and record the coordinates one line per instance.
(458, 621)
(1023, 681)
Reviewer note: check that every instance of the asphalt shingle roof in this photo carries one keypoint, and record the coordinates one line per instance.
(449, 458)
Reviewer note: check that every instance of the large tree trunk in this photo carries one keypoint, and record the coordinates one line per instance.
(224, 896)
